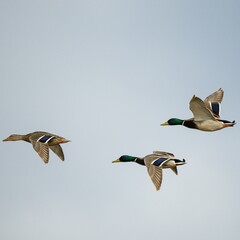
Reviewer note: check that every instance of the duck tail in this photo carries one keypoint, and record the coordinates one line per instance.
(174, 168)
(229, 124)
(233, 123)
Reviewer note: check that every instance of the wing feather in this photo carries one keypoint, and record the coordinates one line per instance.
(213, 102)
(165, 154)
(199, 110)
(42, 150)
(215, 97)
(155, 174)
(58, 151)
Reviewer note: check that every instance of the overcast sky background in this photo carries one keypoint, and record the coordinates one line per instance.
(106, 74)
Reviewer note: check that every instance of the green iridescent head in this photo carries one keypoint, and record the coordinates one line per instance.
(125, 158)
(173, 121)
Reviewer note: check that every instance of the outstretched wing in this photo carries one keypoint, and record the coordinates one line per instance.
(155, 174)
(155, 171)
(213, 102)
(166, 154)
(199, 110)
(215, 97)
(58, 150)
(41, 149)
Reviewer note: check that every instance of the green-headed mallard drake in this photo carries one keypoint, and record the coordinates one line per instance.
(155, 162)
(205, 114)
(41, 142)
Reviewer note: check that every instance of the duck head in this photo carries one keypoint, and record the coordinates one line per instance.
(173, 121)
(125, 158)
(13, 137)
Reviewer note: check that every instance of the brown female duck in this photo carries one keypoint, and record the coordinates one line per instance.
(41, 142)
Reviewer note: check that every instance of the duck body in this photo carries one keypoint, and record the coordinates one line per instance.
(209, 125)
(155, 162)
(206, 114)
(213, 125)
(41, 142)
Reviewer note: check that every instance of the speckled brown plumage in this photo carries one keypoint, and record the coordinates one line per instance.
(41, 142)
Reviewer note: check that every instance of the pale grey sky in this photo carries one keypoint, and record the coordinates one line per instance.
(105, 74)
